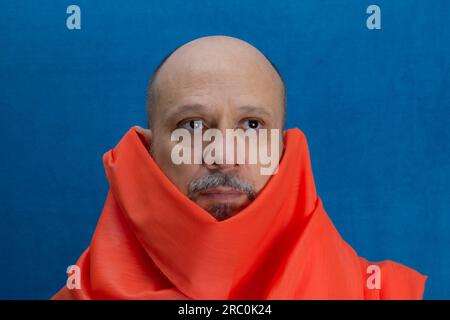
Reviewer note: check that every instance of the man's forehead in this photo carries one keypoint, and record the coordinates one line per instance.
(240, 96)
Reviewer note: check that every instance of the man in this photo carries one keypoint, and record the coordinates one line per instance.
(218, 229)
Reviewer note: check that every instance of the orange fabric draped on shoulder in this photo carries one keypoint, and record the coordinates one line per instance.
(152, 242)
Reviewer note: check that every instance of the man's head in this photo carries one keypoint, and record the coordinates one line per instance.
(214, 82)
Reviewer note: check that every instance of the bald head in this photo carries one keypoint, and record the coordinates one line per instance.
(212, 62)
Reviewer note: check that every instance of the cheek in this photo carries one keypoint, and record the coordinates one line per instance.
(260, 180)
(252, 174)
(180, 175)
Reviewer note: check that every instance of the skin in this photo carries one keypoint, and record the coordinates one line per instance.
(218, 82)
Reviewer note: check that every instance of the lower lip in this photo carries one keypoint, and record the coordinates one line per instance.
(222, 195)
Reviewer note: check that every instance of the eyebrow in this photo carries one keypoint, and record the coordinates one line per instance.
(256, 110)
(185, 109)
(182, 110)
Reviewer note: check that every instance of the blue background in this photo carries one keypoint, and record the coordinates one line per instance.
(374, 104)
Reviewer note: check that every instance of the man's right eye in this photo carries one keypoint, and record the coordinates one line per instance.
(193, 124)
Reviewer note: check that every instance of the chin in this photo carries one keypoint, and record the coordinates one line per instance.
(224, 210)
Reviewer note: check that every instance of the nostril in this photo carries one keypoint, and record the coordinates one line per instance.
(225, 168)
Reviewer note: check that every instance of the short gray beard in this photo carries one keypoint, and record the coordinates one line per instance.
(220, 211)
(219, 179)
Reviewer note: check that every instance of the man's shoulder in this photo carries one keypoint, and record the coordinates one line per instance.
(390, 280)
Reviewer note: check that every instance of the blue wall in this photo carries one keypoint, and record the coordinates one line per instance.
(374, 104)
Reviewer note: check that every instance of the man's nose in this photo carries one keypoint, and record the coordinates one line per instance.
(225, 168)
(220, 157)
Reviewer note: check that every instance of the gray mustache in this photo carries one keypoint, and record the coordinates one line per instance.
(219, 179)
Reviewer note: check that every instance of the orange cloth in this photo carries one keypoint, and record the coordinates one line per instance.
(152, 242)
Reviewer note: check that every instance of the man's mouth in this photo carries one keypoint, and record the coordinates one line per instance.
(221, 193)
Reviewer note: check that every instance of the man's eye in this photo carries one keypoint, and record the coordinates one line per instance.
(193, 124)
(252, 124)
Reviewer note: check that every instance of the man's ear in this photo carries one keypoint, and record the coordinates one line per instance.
(146, 134)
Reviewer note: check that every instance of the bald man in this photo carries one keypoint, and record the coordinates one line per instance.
(209, 226)
(214, 82)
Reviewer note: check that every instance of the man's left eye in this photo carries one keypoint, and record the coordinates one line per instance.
(252, 124)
